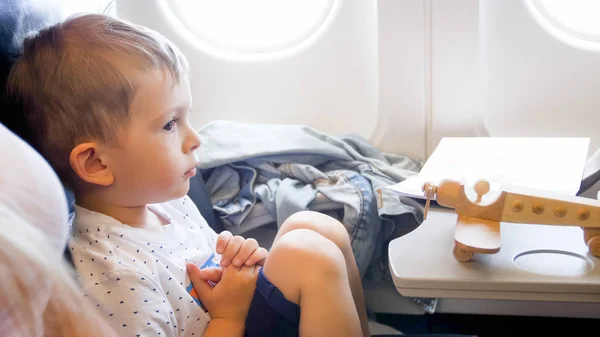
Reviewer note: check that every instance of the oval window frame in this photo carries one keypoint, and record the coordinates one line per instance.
(559, 30)
(172, 12)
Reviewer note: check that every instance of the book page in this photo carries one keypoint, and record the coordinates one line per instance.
(549, 164)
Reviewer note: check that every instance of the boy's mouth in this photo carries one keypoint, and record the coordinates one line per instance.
(190, 173)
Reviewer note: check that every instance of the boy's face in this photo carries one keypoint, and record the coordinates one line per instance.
(156, 155)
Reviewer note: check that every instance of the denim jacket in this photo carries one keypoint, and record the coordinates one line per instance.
(260, 174)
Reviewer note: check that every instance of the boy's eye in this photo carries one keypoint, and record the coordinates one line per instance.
(170, 125)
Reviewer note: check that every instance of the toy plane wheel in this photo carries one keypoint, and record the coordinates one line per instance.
(591, 236)
(461, 253)
(594, 246)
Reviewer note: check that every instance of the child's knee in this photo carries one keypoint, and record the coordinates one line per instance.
(323, 224)
(309, 255)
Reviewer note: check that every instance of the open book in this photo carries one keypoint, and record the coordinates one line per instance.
(550, 164)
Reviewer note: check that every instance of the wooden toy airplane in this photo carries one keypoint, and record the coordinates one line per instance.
(480, 214)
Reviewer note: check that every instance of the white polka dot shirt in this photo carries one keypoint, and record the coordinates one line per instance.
(137, 277)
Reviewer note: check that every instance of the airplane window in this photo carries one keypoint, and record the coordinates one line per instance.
(579, 18)
(257, 26)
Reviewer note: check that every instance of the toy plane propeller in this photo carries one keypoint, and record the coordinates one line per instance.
(480, 213)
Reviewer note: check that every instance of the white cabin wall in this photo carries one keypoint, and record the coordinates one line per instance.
(456, 83)
(498, 69)
(402, 73)
(538, 81)
(429, 76)
(402, 77)
(364, 74)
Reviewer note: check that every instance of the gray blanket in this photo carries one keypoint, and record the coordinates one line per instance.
(260, 174)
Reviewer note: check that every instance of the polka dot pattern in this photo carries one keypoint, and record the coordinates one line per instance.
(136, 277)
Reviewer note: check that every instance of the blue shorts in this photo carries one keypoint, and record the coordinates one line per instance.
(271, 314)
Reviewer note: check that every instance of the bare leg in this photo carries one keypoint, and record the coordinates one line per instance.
(335, 232)
(310, 271)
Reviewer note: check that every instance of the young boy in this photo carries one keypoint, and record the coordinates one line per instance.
(109, 103)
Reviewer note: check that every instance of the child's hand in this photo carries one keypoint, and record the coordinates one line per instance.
(212, 274)
(230, 299)
(239, 251)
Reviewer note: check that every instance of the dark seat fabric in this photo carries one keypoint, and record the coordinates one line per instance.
(17, 18)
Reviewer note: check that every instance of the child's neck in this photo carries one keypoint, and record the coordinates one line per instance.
(139, 216)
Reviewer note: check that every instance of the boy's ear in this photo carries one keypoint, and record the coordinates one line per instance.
(87, 164)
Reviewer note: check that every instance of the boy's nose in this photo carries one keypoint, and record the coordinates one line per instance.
(194, 142)
(195, 147)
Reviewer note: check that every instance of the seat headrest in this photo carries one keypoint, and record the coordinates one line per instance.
(30, 188)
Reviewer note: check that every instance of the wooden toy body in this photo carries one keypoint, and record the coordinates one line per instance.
(478, 221)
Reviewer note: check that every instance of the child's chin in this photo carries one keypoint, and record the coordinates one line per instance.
(178, 192)
(183, 191)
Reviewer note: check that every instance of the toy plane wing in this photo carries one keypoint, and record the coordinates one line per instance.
(477, 235)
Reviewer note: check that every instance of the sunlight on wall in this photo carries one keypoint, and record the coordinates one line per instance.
(578, 18)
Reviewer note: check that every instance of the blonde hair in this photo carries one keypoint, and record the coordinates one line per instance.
(38, 293)
(75, 81)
